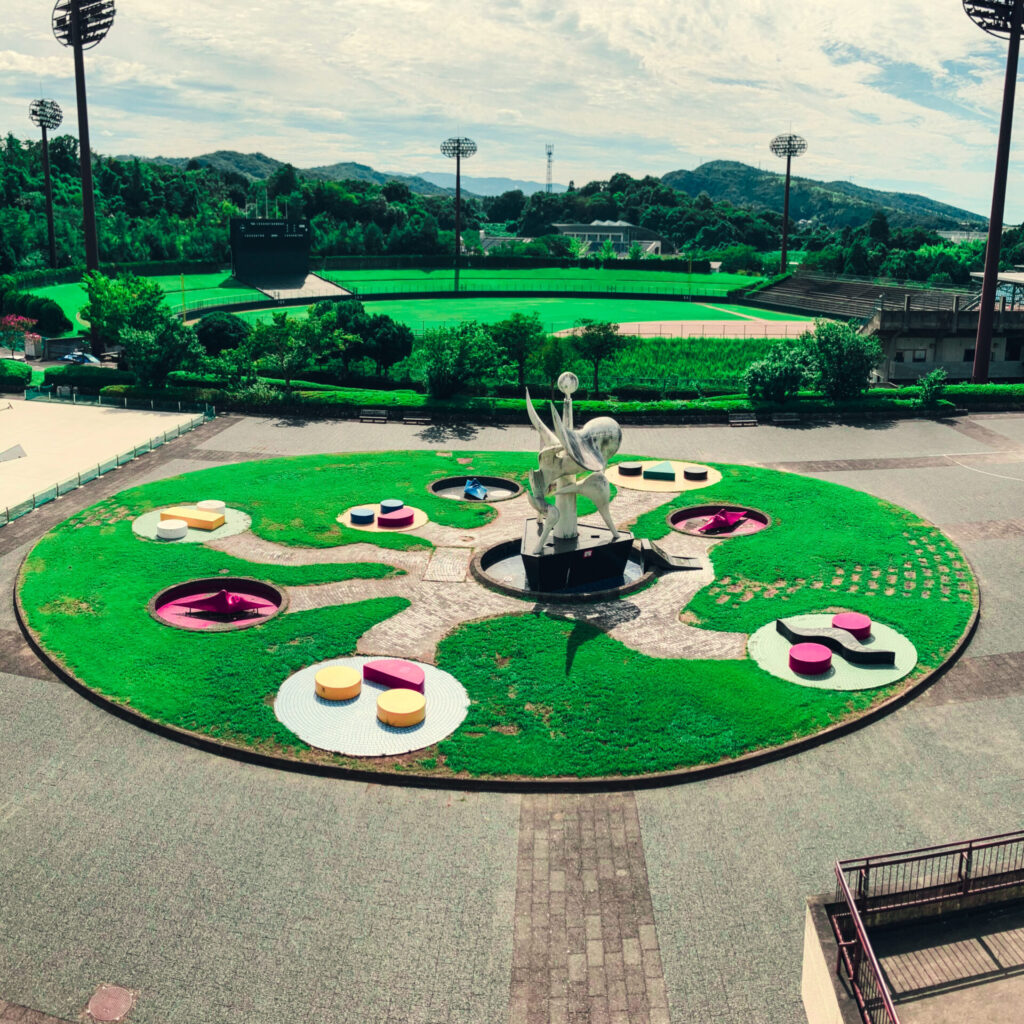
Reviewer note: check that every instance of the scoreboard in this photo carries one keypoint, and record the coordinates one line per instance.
(268, 250)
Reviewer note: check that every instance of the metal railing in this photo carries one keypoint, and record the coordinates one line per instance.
(857, 958)
(40, 498)
(870, 886)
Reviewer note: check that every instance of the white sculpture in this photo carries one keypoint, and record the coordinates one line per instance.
(564, 452)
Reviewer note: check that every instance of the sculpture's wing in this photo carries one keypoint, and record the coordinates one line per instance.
(547, 438)
(580, 453)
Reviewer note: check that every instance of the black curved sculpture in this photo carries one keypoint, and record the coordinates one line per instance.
(839, 641)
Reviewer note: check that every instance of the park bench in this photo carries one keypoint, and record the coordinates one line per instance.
(417, 418)
(785, 417)
(742, 419)
(373, 415)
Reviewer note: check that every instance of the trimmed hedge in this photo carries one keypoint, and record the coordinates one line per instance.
(14, 375)
(90, 380)
(49, 317)
(212, 396)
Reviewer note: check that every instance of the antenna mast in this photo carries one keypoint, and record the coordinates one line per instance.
(549, 149)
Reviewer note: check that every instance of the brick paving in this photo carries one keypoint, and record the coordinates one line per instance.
(585, 945)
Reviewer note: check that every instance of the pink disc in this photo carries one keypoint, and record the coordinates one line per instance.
(403, 517)
(395, 673)
(853, 622)
(810, 659)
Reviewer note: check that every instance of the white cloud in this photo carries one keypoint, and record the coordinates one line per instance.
(907, 91)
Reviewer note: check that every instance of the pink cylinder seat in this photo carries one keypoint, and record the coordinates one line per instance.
(810, 659)
(397, 519)
(395, 673)
(853, 622)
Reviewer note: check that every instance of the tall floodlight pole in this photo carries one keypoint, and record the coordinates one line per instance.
(81, 24)
(48, 116)
(458, 148)
(999, 18)
(789, 146)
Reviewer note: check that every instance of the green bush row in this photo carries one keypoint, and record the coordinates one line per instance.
(89, 380)
(49, 317)
(14, 375)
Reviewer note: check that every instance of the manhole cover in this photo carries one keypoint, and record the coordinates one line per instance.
(110, 1003)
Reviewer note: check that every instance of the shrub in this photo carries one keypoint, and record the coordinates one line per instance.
(842, 359)
(49, 317)
(932, 385)
(88, 379)
(14, 375)
(219, 331)
(777, 377)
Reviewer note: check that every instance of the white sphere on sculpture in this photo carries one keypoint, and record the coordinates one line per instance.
(568, 383)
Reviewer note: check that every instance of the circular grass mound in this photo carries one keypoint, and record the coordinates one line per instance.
(551, 696)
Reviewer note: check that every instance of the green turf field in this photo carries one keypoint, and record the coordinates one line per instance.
(555, 278)
(556, 314)
(211, 288)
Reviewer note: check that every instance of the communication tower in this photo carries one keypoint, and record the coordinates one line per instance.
(549, 149)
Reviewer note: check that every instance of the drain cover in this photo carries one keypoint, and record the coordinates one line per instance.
(110, 1003)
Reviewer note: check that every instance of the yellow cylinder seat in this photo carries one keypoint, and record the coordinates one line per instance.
(401, 708)
(338, 682)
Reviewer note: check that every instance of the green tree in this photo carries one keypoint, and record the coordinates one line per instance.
(119, 304)
(553, 358)
(932, 386)
(636, 251)
(280, 347)
(455, 358)
(153, 353)
(607, 251)
(596, 341)
(385, 341)
(519, 337)
(841, 359)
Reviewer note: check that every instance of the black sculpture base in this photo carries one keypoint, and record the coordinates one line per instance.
(586, 558)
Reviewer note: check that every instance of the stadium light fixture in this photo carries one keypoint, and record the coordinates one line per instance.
(459, 148)
(48, 116)
(1001, 18)
(81, 24)
(789, 146)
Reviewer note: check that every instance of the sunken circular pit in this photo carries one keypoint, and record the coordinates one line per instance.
(498, 488)
(217, 604)
(501, 568)
(700, 521)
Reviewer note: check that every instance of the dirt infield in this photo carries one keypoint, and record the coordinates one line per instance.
(711, 328)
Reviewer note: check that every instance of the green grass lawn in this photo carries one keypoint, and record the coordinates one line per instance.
(585, 279)
(217, 287)
(549, 696)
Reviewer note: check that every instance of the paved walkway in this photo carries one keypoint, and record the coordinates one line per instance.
(223, 892)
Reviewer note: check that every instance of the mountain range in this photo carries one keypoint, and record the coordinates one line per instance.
(833, 203)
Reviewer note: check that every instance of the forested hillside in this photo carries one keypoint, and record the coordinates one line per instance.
(180, 211)
(834, 204)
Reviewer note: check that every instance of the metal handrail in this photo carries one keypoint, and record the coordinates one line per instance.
(863, 953)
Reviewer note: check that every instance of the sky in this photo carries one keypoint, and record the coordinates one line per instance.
(893, 94)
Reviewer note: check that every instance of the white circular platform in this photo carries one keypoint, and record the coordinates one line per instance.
(351, 727)
(770, 649)
(234, 522)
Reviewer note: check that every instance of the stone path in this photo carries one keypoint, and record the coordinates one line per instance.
(647, 621)
(230, 894)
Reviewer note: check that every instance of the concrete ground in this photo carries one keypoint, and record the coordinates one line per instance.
(61, 440)
(222, 892)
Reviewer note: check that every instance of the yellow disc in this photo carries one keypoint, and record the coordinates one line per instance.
(401, 707)
(338, 682)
